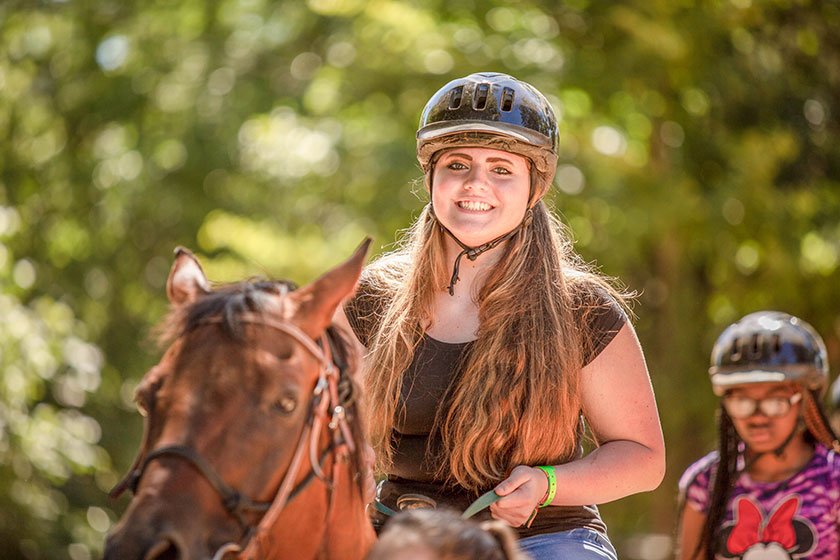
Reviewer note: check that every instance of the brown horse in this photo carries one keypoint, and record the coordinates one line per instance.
(252, 444)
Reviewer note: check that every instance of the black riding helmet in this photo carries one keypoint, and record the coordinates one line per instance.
(491, 110)
(769, 346)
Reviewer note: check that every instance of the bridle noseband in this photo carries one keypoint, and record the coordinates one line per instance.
(333, 392)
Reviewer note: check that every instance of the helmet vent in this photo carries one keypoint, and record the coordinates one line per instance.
(777, 344)
(754, 349)
(480, 97)
(455, 97)
(507, 99)
(735, 352)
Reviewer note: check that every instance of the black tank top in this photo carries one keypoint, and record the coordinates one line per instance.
(426, 381)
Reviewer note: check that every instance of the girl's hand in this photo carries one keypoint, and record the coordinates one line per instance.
(521, 492)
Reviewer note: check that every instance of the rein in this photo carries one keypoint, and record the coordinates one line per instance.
(332, 393)
(481, 503)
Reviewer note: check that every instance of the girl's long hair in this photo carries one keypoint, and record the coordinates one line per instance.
(515, 399)
(817, 428)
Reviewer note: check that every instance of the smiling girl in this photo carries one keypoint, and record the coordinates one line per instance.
(482, 370)
(772, 490)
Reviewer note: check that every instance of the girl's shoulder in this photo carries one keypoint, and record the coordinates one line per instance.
(592, 293)
(700, 472)
(695, 486)
(375, 289)
(599, 308)
(381, 277)
(386, 272)
(829, 460)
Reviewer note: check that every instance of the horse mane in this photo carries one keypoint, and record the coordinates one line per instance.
(227, 301)
(230, 301)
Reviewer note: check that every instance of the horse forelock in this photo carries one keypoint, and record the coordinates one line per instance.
(226, 303)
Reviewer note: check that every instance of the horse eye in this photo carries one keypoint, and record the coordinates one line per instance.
(286, 404)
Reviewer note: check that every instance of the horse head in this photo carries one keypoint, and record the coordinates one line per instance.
(252, 434)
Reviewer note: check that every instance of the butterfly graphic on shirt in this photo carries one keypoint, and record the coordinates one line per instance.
(754, 535)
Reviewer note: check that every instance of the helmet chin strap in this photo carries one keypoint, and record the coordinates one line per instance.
(472, 253)
(800, 425)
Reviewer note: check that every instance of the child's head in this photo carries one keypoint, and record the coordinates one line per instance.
(439, 534)
(770, 369)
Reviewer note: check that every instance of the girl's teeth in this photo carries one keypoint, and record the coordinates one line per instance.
(470, 205)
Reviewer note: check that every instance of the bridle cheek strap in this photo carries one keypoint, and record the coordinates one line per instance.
(324, 395)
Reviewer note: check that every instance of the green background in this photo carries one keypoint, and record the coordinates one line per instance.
(700, 163)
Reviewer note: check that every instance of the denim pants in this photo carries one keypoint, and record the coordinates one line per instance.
(577, 544)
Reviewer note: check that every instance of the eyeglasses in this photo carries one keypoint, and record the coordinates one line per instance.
(744, 407)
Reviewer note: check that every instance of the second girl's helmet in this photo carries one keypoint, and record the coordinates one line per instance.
(769, 346)
(491, 110)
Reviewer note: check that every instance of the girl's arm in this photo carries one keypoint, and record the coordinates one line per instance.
(691, 531)
(619, 406)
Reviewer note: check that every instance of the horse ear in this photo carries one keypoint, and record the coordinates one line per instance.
(318, 301)
(186, 279)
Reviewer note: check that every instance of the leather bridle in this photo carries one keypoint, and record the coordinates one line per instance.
(333, 392)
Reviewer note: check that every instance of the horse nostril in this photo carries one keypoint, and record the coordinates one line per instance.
(163, 550)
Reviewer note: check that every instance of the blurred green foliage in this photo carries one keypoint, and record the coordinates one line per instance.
(700, 164)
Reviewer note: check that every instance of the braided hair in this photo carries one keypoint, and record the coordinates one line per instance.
(817, 429)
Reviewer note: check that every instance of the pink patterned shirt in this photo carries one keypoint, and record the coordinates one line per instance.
(791, 519)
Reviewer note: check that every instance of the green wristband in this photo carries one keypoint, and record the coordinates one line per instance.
(552, 485)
